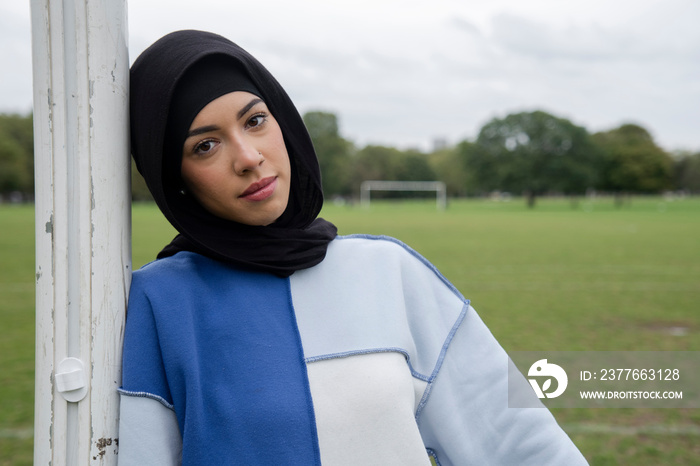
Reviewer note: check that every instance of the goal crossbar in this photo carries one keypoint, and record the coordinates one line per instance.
(376, 185)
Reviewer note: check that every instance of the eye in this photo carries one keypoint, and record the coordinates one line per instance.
(256, 120)
(204, 147)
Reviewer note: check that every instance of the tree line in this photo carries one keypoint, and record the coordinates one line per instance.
(526, 154)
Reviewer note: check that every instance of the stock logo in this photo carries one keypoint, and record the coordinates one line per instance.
(542, 369)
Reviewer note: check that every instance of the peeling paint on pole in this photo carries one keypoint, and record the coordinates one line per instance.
(83, 250)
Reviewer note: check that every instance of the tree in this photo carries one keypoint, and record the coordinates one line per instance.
(533, 153)
(449, 167)
(373, 163)
(687, 172)
(412, 165)
(633, 162)
(389, 164)
(333, 152)
(16, 154)
(13, 173)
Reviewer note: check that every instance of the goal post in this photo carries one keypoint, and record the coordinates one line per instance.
(368, 186)
(83, 226)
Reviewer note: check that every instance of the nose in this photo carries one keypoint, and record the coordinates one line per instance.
(246, 158)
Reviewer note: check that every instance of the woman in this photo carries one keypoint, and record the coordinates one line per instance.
(259, 337)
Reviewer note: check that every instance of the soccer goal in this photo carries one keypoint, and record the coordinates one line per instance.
(368, 186)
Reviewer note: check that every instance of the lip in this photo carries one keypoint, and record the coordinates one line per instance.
(260, 190)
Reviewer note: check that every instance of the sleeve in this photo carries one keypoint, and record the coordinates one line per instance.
(148, 433)
(464, 416)
(143, 370)
(148, 427)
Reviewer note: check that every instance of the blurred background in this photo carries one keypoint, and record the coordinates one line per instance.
(566, 134)
(609, 89)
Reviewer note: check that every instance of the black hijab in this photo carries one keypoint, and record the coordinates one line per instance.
(298, 239)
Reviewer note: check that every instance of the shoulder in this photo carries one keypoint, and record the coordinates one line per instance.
(177, 273)
(381, 258)
(374, 246)
(183, 262)
(178, 263)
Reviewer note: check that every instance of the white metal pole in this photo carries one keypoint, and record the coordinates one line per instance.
(365, 189)
(83, 226)
(441, 196)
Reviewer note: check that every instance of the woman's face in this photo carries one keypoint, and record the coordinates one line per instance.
(235, 162)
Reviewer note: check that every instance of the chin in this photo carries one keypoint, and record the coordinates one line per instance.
(253, 215)
(261, 221)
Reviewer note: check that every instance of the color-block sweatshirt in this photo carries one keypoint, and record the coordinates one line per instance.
(369, 358)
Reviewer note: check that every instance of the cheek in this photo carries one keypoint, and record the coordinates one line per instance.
(279, 149)
(283, 157)
(189, 176)
(287, 165)
(199, 180)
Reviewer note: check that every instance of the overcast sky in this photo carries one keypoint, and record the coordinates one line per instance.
(404, 72)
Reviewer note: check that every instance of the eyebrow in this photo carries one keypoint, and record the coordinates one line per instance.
(208, 128)
(200, 130)
(250, 105)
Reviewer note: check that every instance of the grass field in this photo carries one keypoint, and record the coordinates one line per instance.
(553, 279)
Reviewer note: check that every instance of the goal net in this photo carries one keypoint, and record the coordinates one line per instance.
(368, 186)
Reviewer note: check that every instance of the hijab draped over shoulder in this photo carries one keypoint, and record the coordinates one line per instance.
(298, 239)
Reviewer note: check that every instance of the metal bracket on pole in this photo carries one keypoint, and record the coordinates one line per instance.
(70, 379)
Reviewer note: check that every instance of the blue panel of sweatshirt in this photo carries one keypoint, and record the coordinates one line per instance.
(243, 396)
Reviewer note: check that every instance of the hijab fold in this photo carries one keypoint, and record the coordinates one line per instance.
(298, 239)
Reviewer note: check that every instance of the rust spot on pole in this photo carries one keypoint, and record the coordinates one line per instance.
(49, 225)
(102, 445)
